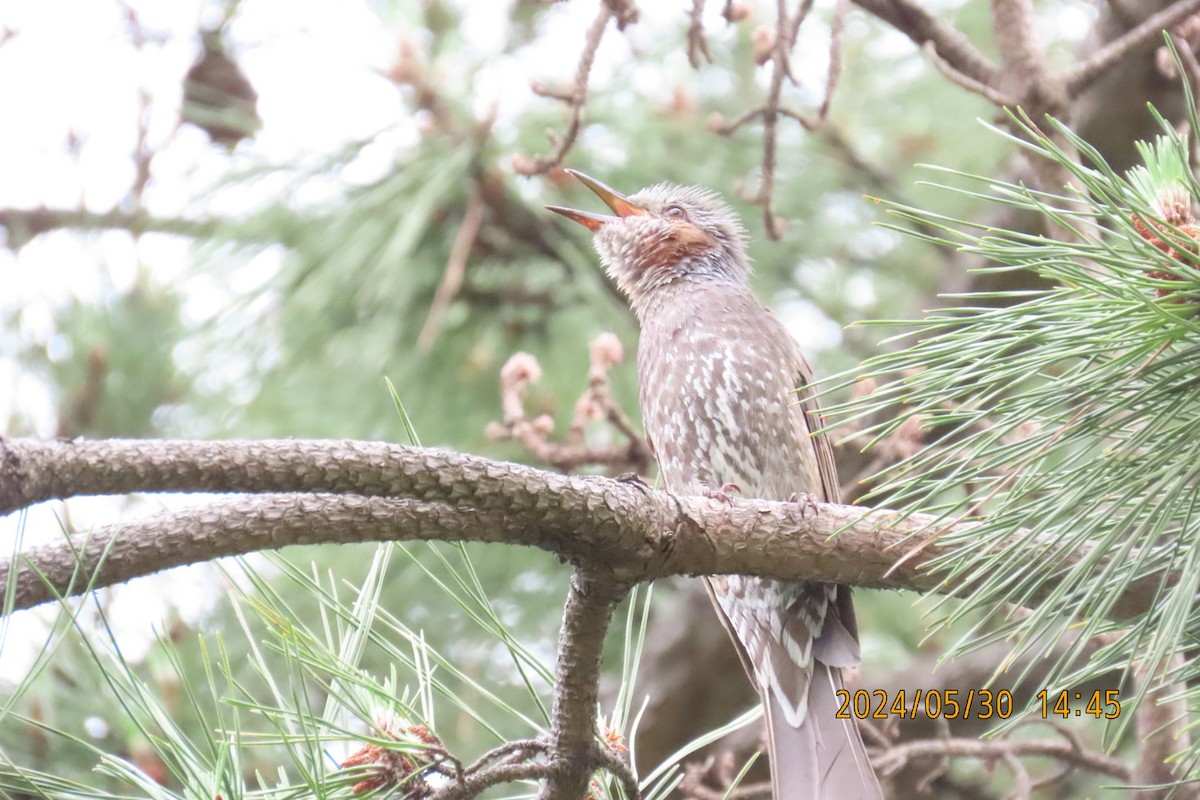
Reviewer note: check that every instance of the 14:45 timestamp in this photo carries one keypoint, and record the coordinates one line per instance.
(1076, 704)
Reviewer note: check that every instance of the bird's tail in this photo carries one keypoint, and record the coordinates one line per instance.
(824, 758)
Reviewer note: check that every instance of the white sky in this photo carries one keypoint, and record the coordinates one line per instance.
(72, 70)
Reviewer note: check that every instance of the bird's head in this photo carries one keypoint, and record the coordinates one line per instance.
(662, 235)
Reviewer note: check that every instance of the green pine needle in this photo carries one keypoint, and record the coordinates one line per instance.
(1163, 181)
(1060, 419)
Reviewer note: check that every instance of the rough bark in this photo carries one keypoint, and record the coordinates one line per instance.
(589, 607)
(307, 492)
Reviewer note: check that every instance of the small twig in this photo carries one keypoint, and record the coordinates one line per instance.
(520, 747)
(1078, 78)
(443, 756)
(619, 767)
(909, 18)
(697, 43)
(787, 27)
(574, 451)
(837, 33)
(1065, 768)
(806, 122)
(872, 732)
(718, 125)
(565, 95)
(792, 29)
(456, 269)
(713, 778)
(1000, 99)
(477, 783)
(1024, 785)
(605, 352)
(141, 153)
(895, 758)
(624, 10)
(1054, 777)
(786, 30)
(576, 100)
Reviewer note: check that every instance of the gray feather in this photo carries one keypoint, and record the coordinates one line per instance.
(824, 759)
(726, 397)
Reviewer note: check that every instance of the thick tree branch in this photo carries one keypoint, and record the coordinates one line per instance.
(1026, 78)
(1023, 58)
(1082, 75)
(573, 746)
(121, 552)
(951, 45)
(1029, 81)
(624, 528)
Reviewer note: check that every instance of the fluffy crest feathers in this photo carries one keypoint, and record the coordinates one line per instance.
(661, 247)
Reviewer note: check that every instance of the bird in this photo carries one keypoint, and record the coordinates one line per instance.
(727, 404)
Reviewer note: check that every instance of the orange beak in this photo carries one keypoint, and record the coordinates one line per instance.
(616, 201)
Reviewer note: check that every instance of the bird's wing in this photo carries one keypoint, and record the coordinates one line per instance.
(838, 643)
(813, 420)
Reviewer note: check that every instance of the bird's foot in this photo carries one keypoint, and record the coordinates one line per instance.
(806, 502)
(634, 480)
(722, 493)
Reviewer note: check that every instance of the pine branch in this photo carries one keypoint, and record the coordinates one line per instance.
(590, 603)
(1081, 76)
(344, 491)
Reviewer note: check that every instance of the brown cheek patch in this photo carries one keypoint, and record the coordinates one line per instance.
(688, 240)
(664, 248)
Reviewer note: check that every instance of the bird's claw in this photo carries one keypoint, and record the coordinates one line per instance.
(634, 479)
(806, 501)
(664, 542)
(722, 494)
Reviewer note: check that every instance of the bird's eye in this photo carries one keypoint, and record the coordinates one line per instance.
(675, 212)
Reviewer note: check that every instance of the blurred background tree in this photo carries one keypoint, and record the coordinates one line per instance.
(236, 219)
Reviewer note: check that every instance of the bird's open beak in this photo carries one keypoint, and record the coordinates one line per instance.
(616, 201)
